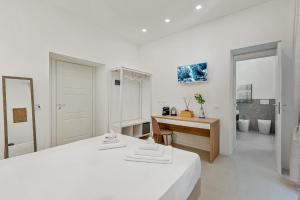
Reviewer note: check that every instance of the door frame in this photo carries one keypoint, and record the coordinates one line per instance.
(53, 57)
(251, 52)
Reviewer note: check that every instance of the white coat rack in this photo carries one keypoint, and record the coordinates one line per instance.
(130, 102)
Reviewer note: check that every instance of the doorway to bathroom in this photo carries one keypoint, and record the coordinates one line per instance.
(257, 102)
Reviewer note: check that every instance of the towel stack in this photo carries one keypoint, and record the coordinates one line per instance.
(111, 141)
(150, 152)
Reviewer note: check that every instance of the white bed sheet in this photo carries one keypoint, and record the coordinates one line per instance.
(79, 171)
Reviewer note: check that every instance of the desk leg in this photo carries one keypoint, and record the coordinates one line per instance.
(214, 141)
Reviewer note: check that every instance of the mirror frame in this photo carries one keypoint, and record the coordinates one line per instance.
(4, 78)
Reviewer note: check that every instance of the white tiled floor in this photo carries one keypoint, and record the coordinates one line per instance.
(249, 174)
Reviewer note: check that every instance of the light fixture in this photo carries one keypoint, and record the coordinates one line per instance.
(198, 7)
(167, 20)
(144, 30)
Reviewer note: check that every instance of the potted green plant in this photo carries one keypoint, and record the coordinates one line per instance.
(199, 98)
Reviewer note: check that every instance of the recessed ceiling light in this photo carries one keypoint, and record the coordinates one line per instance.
(198, 7)
(144, 30)
(167, 20)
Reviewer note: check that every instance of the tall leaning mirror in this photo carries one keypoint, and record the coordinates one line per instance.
(19, 116)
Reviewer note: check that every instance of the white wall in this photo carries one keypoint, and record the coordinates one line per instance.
(260, 73)
(212, 42)
(30, 30)
(131, 99)
(297, 63)
(294, 162)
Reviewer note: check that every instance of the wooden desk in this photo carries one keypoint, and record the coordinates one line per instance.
(196, 126)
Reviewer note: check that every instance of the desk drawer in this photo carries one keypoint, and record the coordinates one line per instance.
(184, 123)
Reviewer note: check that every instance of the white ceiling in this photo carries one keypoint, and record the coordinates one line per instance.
(127, 17)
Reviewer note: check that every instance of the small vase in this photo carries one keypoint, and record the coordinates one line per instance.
(201, 113)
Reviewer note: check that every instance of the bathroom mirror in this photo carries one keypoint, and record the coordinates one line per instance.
(19, 116)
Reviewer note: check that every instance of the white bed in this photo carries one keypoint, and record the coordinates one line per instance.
(79, 171)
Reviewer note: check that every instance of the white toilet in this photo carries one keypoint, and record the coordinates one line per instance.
(264, 126)
(244, 125)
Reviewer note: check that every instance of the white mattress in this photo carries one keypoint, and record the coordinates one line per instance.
(79, 171)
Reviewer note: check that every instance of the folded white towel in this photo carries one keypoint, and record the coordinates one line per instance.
(111, 146)
(167, 158)
(149, 146)
(150, 140)
(110, 136)
(149, 161)
(154, 153)
(110, 141)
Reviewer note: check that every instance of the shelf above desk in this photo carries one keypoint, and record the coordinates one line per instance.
(193, 119)
(189, 122)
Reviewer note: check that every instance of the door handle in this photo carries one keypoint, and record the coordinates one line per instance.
(60, 106)
(278, 107)
(11, 144)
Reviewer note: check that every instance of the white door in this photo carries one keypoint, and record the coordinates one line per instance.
(74, 102)
(278, 117)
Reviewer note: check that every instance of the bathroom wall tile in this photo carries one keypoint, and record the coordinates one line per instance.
(255, 110)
